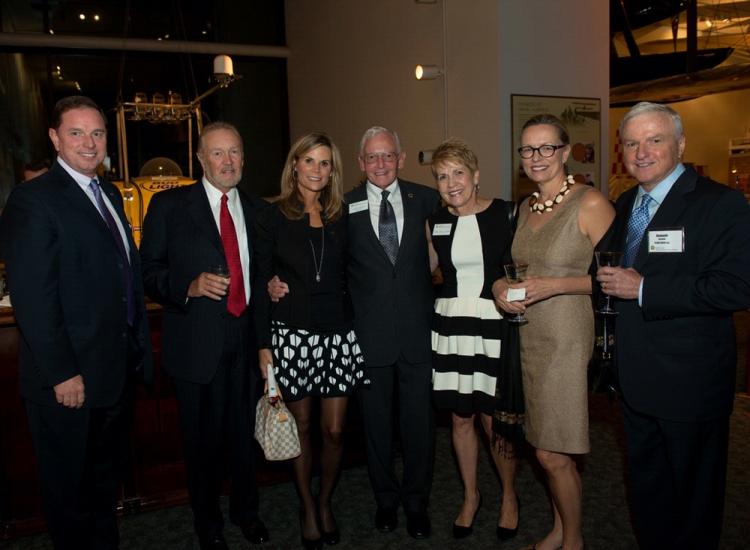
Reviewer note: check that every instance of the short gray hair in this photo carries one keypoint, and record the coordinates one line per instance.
(214, 126)
(646, 107)
(374, 131)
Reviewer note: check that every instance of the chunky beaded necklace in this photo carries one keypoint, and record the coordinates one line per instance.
(536, 205)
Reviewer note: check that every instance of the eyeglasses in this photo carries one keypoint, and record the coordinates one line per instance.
(372, 158)
(546, 151)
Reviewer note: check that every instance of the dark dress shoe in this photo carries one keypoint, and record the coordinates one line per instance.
(386, 519)
(418, 525)
(461, 532)
(331, 537)
(255, 532)
(213, 542)
(503, 533)
(311, 544)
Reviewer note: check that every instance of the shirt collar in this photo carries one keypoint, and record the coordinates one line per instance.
(214, 195)
(81, 179)
(659, 192)
(374, 192)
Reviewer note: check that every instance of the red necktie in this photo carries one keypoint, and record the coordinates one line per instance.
(236, 301)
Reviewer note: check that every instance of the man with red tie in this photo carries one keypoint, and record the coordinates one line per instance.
(197, 257)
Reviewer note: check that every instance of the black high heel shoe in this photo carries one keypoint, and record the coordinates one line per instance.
(331, 538)
(461, 532)
(308, 544)
(504, 533)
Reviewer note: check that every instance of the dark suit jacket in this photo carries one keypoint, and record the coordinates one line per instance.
(676, 354)
(180, 241)
(67, 290)
(393, 305)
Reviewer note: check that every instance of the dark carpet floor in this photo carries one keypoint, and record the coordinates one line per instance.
(606, 521)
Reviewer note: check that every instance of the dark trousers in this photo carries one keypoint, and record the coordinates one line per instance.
(215, 416)
(407, 385)
(80, 454)
(678, 478)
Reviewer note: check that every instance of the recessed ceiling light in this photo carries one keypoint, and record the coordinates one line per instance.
(51, 31)
(96, 17)
(82, 16)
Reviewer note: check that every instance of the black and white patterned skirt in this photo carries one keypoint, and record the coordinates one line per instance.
(322, 364)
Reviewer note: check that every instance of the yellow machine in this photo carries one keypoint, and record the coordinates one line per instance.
(159, 174)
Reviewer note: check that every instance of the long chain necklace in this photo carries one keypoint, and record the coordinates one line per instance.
(319, 267)
(536, 205)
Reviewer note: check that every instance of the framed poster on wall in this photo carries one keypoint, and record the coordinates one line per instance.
(581, 115)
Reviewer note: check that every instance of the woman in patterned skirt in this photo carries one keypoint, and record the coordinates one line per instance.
(470, 240)
(307, 335)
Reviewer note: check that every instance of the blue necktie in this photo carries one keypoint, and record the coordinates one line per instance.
(636, 227)
(127, 272)
(387, 230)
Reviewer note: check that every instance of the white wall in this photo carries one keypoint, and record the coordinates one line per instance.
(553, 48)
(352, 66)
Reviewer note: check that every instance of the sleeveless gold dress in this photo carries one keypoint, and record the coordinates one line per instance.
(558, 340)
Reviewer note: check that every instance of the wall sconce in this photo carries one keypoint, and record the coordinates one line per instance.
(427, 72)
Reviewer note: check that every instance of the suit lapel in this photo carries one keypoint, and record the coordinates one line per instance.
(359, 222)
(249, 212)
(200, 211)
(78, 199)
(668, 214)
(408, 232)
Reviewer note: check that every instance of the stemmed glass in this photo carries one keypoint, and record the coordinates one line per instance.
(607, 259)
(516, 273)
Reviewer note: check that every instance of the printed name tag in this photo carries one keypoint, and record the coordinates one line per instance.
(441, 229)
(666, 240)
(357, 207)
(516, 294)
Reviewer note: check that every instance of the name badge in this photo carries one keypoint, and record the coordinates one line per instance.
(516, 294)
(441, 230)
(666, 240)
(358, 206)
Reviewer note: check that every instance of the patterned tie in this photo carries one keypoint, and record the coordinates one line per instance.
(236, 301)
(127, 271)
(636, 227)
(387, 230)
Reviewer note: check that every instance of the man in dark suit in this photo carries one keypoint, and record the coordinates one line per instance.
(391, 289)
(191, 236)
(74, 274)
(686, 268)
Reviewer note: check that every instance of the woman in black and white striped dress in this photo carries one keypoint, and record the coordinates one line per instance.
(470, 240)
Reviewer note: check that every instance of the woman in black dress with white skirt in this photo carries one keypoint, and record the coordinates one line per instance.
(470, 240)
(307, 335)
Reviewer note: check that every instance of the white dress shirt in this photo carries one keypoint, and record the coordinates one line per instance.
(374, 194)
(238, 217)
(84, 182)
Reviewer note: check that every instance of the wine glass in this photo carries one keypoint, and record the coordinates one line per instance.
(516, 273)
(607, 259)
(220, 270)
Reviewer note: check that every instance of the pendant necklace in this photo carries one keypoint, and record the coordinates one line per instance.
(319, 267)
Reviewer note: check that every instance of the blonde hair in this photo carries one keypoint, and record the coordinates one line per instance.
(454, 150)
(332, 195)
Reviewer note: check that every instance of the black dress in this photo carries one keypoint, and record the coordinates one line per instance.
(467, 328)
(310, 332)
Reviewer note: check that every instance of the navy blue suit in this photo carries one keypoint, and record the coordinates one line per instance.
(65, 277)
(676, 360)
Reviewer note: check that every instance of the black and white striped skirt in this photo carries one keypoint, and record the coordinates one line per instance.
(466, 347)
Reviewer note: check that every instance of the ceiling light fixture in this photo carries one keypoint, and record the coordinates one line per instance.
(82, 16)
